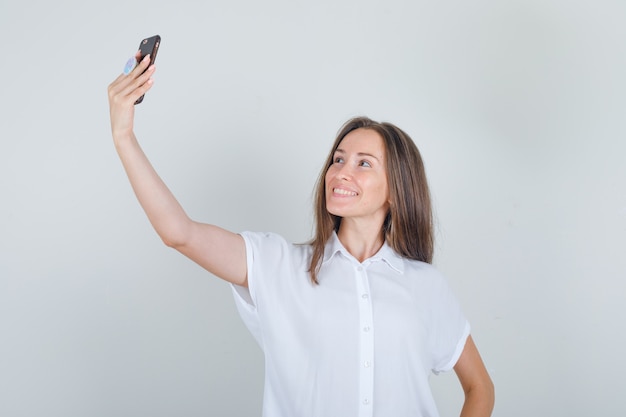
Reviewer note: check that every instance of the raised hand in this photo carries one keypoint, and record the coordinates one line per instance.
(124, 91)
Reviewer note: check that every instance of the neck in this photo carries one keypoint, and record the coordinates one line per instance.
(360, 242)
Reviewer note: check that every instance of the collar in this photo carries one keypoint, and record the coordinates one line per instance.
(385, 254)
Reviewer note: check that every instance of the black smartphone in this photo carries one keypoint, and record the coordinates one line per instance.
(148, 46)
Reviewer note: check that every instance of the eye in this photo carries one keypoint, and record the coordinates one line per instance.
(338, 160)
(365, 164)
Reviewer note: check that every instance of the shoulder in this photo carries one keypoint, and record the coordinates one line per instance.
(271, 244)
(421, 269)
(263, 238)
(424, 275)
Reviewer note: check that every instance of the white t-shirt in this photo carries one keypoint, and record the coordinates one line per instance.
(361, 343)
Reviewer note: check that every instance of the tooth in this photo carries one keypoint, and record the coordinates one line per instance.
(344, 192)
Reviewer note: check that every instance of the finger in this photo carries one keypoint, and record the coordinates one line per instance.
(130, 92)
(126, 82)
(134, 63)
(138, 81)
(118, 85)
(143, 89)
(141, 66)
(116, 82)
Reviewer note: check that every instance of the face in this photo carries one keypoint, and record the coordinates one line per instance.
(356, 182)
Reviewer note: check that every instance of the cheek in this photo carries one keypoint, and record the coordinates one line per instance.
(329, 175)
(327, 179)
(385, 188)
(384, 191)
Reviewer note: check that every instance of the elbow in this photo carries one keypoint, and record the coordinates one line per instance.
(174, 234)
(483, 396)
(488, 392)
(170, 243)
(174, 238)
(173, 241)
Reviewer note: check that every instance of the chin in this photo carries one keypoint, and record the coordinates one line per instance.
(335, 212)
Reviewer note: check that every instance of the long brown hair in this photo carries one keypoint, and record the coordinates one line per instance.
(408, 227)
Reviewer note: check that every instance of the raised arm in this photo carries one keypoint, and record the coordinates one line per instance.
(217, 250)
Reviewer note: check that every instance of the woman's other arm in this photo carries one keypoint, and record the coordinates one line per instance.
(476, 383)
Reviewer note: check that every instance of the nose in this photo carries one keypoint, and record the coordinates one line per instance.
(344, 172)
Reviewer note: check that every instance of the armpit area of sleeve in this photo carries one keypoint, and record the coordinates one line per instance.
(457, 351)
(245, 297)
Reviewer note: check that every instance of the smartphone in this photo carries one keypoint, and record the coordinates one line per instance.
(148, 46)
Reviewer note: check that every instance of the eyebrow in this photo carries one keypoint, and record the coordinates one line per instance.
(359, 154)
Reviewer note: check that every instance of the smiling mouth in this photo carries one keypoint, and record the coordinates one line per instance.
(343, 192)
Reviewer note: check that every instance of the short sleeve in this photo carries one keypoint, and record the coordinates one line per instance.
(264, 253)
(244, 298)
(450, 329)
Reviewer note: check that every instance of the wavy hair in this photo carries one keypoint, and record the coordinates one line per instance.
(408, 226)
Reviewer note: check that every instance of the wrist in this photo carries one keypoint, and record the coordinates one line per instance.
(121, 137)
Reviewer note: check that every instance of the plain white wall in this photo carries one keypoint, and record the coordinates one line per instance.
(517, 106)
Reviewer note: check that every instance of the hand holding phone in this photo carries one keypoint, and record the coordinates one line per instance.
(148, 46)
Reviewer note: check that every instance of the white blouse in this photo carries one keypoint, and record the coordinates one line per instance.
(361, 343)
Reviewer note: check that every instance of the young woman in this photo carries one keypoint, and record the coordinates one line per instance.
(353, 323)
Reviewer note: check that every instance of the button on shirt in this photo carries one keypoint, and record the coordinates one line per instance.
(362, 343)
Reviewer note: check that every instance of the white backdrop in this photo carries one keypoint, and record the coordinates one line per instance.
(517, 106)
